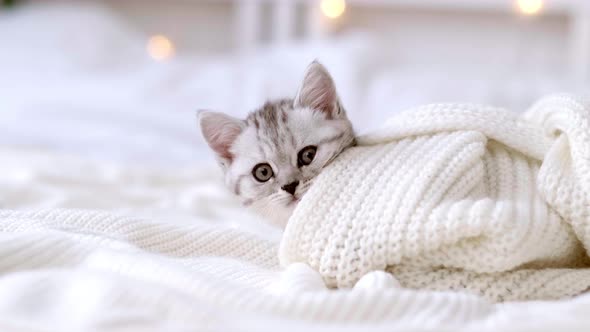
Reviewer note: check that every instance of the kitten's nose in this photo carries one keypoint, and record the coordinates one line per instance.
(291, 187)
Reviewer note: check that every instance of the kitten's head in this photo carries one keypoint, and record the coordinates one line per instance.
(270, 158)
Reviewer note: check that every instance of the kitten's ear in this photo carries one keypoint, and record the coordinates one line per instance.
(220, 131)
(318, 90)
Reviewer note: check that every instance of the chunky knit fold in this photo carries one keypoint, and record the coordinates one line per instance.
(457, 197)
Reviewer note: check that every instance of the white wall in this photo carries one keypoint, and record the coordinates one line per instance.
(457, 38)
(442, 53)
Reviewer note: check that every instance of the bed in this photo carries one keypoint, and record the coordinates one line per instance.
(114, 217)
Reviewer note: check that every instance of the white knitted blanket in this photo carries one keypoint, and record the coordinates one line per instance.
(457, 197)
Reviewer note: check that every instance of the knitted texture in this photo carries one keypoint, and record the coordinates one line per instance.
(457, 197)
(97, 269)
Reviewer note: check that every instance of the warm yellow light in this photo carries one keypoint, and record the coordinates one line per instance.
(333, 8)
(530, 7)
(160, 47)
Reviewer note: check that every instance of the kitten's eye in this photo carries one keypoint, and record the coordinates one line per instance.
(306, 155)
(262, 172)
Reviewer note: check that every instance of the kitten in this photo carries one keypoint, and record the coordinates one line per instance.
(270, 158)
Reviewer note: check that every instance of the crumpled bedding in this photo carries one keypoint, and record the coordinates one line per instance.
(95, 246)
(457, 197)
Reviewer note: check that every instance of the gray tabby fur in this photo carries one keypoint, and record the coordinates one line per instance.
(274, 134)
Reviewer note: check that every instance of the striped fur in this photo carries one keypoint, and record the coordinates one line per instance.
(275, 134)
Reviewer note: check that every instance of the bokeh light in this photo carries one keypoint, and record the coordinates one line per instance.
(333, 8)
(160, 48)
(530, 7)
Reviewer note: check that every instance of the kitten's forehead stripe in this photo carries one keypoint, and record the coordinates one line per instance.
(292, 137)
(259, 139)
(270, 123)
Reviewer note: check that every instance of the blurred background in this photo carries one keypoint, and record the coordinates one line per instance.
(121, 79)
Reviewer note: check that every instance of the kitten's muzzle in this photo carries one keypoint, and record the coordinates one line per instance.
(291, 187)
